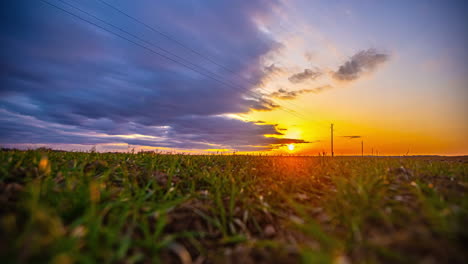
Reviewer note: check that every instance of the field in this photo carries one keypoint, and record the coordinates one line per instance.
(71, 207)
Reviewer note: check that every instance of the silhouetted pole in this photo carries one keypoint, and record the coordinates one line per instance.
(362, 148)
(332, 153)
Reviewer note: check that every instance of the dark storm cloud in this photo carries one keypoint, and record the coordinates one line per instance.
(290, 95)
(307, 74)
(80, 84)
(362, 62)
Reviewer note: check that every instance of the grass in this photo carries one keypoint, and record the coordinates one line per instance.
(71, 207)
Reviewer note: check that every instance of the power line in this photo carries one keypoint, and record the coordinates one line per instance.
(153, 51)
(167, 36)
(291, 111)
(194, 68)
(166, 51)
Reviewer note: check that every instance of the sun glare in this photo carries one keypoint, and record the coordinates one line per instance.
(291, 147)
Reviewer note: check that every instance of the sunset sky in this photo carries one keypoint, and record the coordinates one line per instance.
(204, 76)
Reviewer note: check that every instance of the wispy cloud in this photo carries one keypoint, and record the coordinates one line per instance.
(191, 132)
(272, 69)
(351, 137)
(290, 95)
(307, 74)
(365, 61)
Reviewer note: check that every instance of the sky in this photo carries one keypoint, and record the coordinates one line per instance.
(256, 76)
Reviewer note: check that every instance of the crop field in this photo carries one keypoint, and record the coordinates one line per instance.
(75, 207)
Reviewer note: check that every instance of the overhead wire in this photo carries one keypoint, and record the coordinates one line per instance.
(194, 68)
(155, 52)
(179, 43)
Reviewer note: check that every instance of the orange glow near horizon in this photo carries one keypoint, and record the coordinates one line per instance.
(402, 129)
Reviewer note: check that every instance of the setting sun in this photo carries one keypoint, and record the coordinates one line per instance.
(291, 147)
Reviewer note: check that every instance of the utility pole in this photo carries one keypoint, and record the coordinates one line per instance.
(331, 129)
(362, 148)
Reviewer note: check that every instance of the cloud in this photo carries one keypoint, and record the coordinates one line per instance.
(263, 104)
(309, 56)
(284, 141)
(273, 69)
(80, 85)
(290, 95)
(307, 74)
(352, 137)
(192, 132)
(365, 61)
